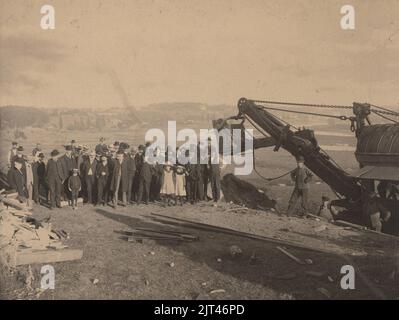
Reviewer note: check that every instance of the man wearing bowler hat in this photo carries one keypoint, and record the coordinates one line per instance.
(54, 175)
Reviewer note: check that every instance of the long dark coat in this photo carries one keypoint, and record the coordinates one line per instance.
(54, 170)
(67, 163)
(124, 175)
(16, 179)
(86, 167)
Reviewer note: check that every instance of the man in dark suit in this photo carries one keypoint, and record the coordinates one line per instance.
(89, 175)
(54, 175)
(214, 176)
(145, 177)
(138, 158)
(102, 175)
(41, 177)
(131, 164)
(68, 163)
(119, 180)
(35, 166)
(157, 177)
(17, 180)
(301, 176)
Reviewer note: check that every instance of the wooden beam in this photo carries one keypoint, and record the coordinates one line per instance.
(14, 203)
(46, 256)
(209, 227)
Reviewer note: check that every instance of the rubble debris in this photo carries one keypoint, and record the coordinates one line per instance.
(95, 281)
(25, 240)
(243, 193)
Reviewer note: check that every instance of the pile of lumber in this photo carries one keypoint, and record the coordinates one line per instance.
(26, 240)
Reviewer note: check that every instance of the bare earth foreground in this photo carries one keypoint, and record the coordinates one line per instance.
(192, 270)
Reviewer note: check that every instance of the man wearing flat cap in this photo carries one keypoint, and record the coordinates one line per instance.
(301, 176)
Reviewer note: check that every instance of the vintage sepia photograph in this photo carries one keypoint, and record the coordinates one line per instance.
(209, 151)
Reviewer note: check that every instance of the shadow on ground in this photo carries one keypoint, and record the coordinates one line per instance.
(270, 268)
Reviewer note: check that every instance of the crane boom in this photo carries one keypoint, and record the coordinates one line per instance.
(301, 142)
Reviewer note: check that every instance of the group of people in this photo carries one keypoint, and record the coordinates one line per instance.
(114, 174)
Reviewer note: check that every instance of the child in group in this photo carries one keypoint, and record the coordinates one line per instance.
(74, 186)
(168, 185)
(180, 185)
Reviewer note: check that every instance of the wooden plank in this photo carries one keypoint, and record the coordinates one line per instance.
(208, 227)
(297, 260)
(14, 203)
(47, 256)
(363, 228)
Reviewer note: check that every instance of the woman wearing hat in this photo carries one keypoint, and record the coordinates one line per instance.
(180, 185)
(168, 186)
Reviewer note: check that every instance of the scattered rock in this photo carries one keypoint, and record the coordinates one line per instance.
(152, 253)
(309, 261)
(218, 291)
(253, 259)
(172, 264)
(330, 279)
(235, 251)
(219, 260)
(95, 281)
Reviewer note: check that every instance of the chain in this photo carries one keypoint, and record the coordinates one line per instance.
(303, 104)
(328, 106)
(307, 113)
(382, 116)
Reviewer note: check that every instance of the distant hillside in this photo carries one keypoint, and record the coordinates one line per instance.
(20, 117)
(188, 114)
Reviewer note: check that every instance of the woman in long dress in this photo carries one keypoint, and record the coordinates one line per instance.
(168, 185)
(180, 186)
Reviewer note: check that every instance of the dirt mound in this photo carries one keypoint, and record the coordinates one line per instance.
(244, 193)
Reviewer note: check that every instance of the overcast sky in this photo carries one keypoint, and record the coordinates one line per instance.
(210, 51)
